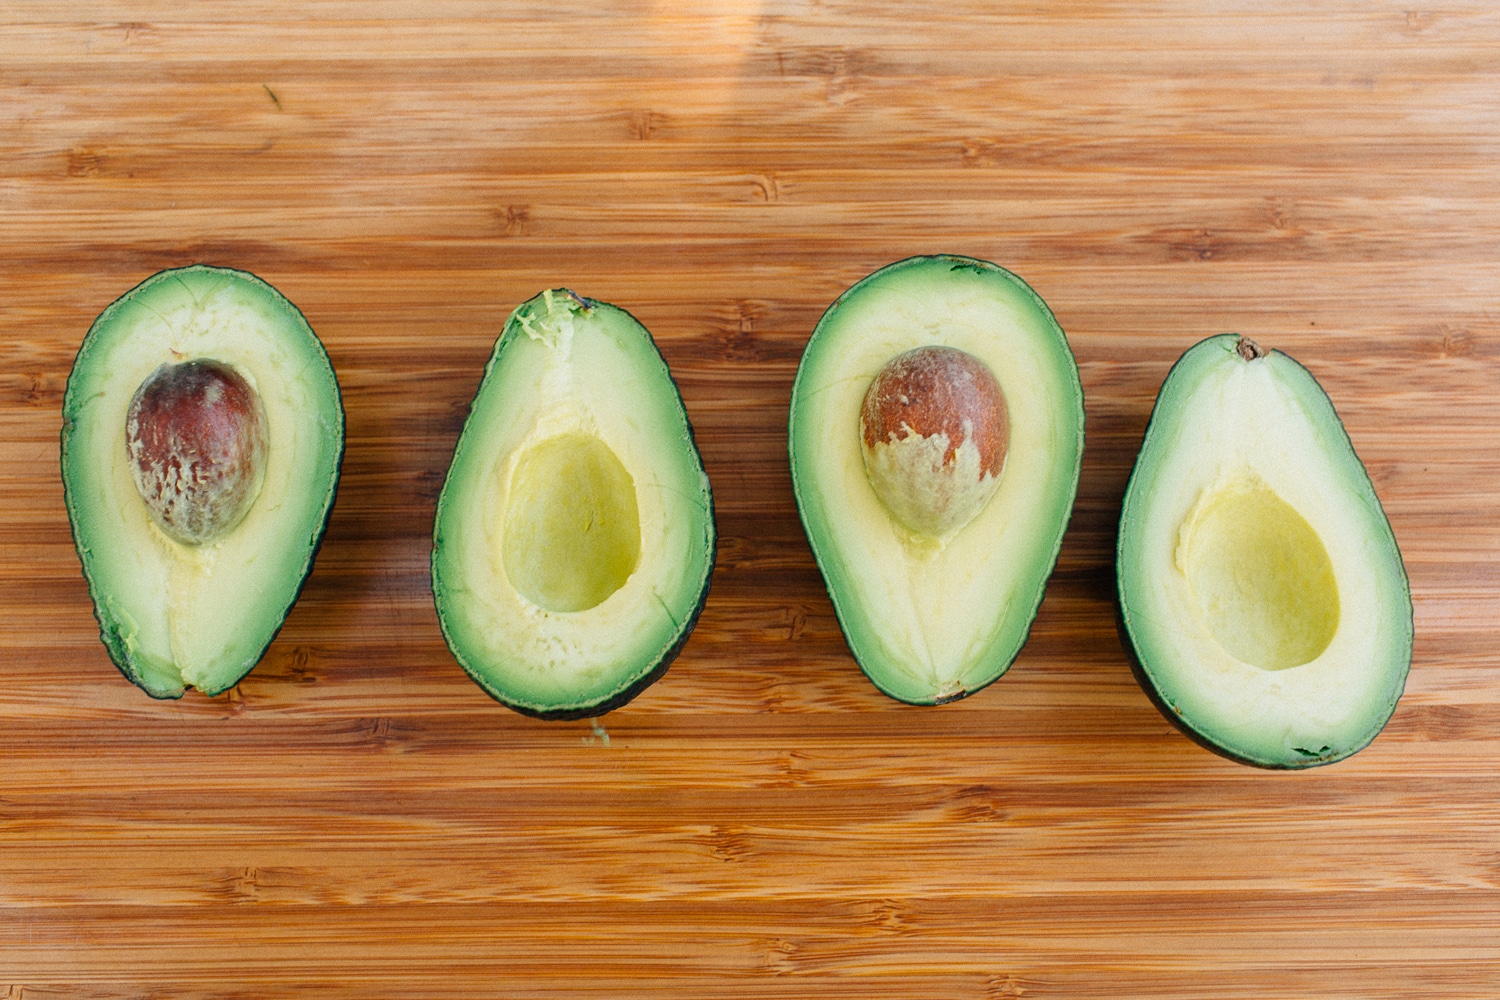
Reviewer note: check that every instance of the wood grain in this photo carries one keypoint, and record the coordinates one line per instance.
(358, 819)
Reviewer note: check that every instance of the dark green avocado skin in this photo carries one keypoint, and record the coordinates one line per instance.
(109, 634)
(1138, 669)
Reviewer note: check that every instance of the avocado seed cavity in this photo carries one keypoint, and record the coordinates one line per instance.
(1260, 574)
(571, 534)
(196, 436)
(934, 431)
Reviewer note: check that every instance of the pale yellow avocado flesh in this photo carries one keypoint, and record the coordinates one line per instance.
(1259, 581)
(933, 618)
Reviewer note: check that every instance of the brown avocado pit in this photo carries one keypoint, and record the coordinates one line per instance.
(934, 432)
(196, 434)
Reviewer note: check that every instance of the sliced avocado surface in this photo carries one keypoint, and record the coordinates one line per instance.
(174, 614)
(1261, 590)
(574, 537)
(933, 618)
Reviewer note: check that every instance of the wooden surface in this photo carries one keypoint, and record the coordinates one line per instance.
(358, 819)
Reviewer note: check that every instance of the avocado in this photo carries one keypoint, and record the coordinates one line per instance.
(935, 436)
(201, 442)
(574, 536)
(1261, 591)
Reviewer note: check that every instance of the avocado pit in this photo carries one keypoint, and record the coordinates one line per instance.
(196, 435)
(934, 432)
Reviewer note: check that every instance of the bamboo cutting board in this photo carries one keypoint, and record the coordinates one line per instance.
(357, 819)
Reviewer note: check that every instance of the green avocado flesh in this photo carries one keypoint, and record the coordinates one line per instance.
(1260, 585)
(574, 537)
(932, 619)
(171, 614)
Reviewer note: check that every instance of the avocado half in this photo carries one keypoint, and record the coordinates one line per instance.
(1261, 590)
(931, 618)
(174, 614)
(574, 537)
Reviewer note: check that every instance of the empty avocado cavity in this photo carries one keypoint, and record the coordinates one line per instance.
(572, 531)
(1260, 575)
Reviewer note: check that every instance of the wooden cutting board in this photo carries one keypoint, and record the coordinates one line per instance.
(357, 819)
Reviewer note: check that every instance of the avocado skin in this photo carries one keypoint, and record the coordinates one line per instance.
(657, 670)
(955, 262)
(1127, 642)
(109, 627)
